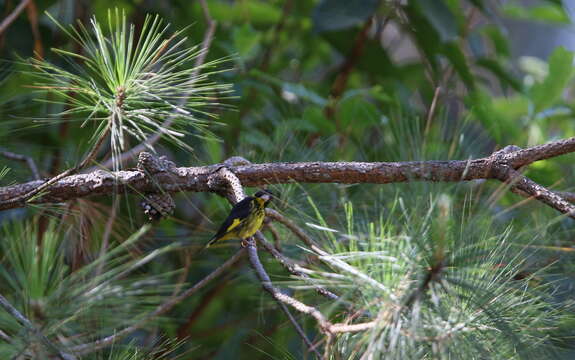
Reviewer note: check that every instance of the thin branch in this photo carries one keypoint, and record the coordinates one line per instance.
(161, 309)
(13, 15)
(293, 268)
(275, 236)
(5, 304)
(431, 111)
(324, 325)
(296, 230)
(107, 233)
(345, 328)
(235, 194)
(276, 293)
(277, 31)
(299, 330)
(23, 198)
(520, 182)
(213, 293)
(27, 159)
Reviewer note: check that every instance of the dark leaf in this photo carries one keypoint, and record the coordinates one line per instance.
(330, 15)
(459, 62)
(504, 75)
(440, 17)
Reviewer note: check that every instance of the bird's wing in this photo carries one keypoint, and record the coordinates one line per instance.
(239, 213)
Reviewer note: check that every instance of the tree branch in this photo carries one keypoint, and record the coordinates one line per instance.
(324, 324)
(235, 194)
(525, 185)
(293, 268)
(201, 179)
(276, 293)
(21, 199)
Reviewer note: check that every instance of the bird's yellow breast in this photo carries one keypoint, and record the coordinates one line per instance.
(253, 222)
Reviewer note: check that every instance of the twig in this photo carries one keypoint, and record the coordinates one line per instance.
(276, 293)
(346, 328)
(293, 268)
(84, 349)
(296, 230)
(13, 15)
(152, 139)
(431, 111)
(267, 55)
(324, 325)
(183, 330)
(275, 235)
(27, 159)
(32, 11)
(520, 182)
(21, 199)
(299, 330)
(33, 329)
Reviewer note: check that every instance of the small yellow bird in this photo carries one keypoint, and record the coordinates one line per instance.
(245, 219)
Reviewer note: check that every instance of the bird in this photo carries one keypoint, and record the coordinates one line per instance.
(245, 218)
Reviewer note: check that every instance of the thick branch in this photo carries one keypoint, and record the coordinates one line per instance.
(198, 178)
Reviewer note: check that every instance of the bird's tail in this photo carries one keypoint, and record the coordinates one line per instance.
(210, 243)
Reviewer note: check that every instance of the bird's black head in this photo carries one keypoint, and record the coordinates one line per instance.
(265, 195)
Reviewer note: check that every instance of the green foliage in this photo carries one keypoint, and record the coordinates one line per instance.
(551, 12)
(81, 305)
(440, 284)
(128, 84)
(550, 90)
(328, 80)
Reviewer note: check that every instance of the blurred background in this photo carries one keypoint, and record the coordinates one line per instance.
(312, 80)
